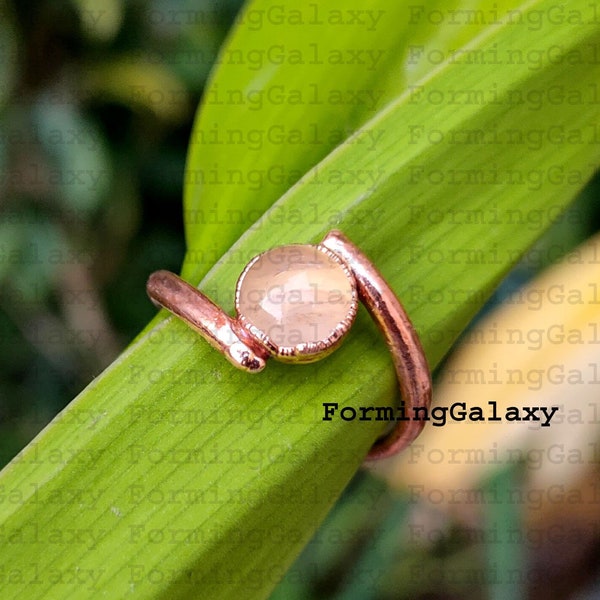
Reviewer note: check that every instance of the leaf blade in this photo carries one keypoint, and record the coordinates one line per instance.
(305, 95)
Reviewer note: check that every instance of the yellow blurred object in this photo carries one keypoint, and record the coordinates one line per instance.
(139, 84)
(541, 349)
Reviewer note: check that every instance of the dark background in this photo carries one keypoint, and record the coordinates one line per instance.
(91, 172)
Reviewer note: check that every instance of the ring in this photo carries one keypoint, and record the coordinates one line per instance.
(296, 303)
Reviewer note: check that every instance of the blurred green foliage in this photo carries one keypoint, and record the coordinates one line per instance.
(96, 107)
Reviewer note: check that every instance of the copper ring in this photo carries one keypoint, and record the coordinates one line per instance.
(320, 289)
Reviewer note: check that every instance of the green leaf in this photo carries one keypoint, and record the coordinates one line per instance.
(172, 475)
(285, 73)
(294, 82)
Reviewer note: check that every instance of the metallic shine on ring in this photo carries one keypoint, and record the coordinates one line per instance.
(296, 303)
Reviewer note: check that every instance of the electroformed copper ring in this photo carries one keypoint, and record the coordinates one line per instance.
(296, 303)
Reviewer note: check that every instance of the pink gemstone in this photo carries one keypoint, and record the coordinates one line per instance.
(298, 299)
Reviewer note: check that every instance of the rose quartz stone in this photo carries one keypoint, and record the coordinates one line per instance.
(296, 294)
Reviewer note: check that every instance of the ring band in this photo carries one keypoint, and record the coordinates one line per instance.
(296, 303)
